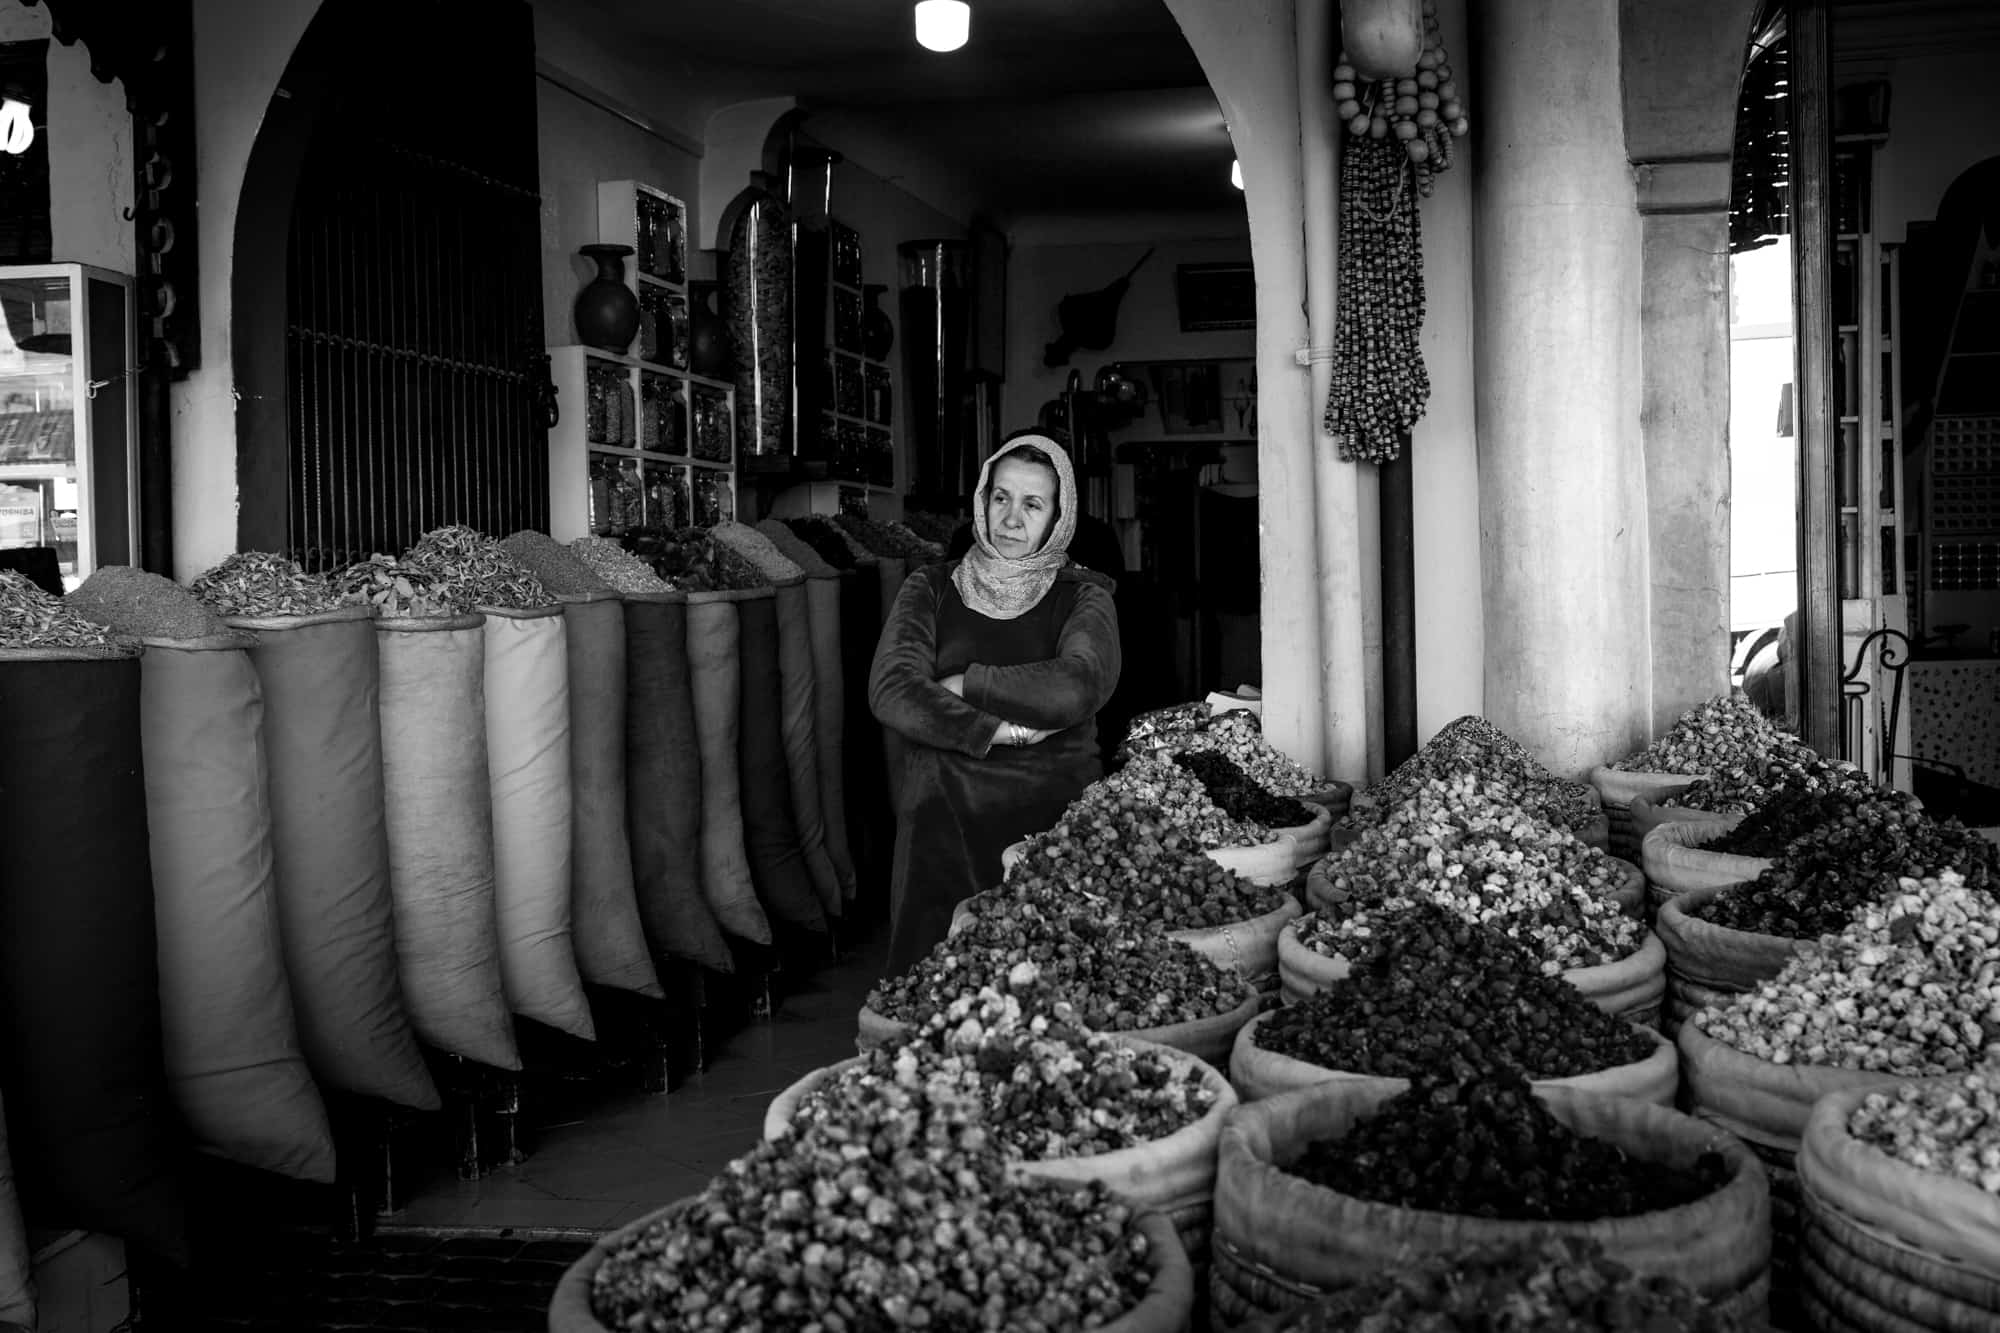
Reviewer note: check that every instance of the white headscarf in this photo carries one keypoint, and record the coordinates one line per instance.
(1003, 587)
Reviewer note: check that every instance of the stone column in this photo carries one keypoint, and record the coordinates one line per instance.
(1562, 474)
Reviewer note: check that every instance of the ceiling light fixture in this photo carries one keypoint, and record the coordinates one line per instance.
(1236, 172)
(943, 25)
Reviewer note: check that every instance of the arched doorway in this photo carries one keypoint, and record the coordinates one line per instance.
(392, 381)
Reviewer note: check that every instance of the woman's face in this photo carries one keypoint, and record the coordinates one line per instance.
(1020, 506)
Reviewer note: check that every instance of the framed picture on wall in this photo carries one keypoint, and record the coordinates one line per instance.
(1216, 296)
(1206, 397)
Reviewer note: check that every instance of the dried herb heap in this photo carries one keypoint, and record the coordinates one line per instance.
(890, 540)
(396, 590)
(1459, 847)
(1726, 738)
(826, 537)
(1238, 797)
(139, 605)
(1910, 986)
(1815, 884)
(937, 529)
(797, 550)
(260, 584)
(1480, 1144)
(560, 569)
(471, 570)
(1132, 844)
(1807, 798)
(1949, 1126)
(625, 572)
(1236, 735)
(1428, 988)
(1544, 1284)
(1049, 1086)
(1503, 766)
(30, 618)
(769, 563)
(901, 1216)
(1118, 975)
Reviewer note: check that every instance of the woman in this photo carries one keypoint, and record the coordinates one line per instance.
(992, 669)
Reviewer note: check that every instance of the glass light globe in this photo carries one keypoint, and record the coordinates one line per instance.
(943, 25)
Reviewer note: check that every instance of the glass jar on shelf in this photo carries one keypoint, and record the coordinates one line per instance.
(849, 398)
(878, 397)
(600, 417)
(713, 502)
(846, 256)
(603, 517)
(651, 393)
(881, 457)
(711, 425)
(630, 496)
(628, 412)
(680, 499)
(674, 334)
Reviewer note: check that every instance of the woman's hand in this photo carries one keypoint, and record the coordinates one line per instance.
(1014, 733)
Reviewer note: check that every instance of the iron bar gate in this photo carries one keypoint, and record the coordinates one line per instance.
(413, 362)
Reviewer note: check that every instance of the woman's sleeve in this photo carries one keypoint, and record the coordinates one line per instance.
(1067, 689)
(902, 690)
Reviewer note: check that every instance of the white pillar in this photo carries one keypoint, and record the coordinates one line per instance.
(1557, 267)
(1247, 50)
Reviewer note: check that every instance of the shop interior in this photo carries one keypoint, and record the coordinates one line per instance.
(859, 267)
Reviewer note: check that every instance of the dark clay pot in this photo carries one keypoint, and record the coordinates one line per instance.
(709, 352)
(606, 311)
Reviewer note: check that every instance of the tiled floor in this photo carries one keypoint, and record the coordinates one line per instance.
(619, 1159)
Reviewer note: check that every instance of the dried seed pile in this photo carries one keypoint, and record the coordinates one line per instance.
(890, 540)
(937, 529)
(1910, 986)
(1172, 803)
(1815, 884)
(1236, 735)
(1480, 1144)
(560, 569)
(1544, 1284)
(139, 605)
(1174, 725)
(1478, 855)
(260, 583)
(1380, 383)
(472, 570)
(826, 537)
(1724, 738)
(396, 589)
(735, 541)
(1049, 1086)
(797, 550)
(1951, 1126)
(625, 572)
(1428, 987)
(30, 618)
(1806, 801)
(1116, 974)
(1238, 797)
(1503, 766)
(902, 1216)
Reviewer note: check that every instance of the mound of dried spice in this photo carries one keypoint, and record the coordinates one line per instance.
(471, 570)
(561, 570)
(1050, 1087)
(1501, 766)
(1807, 798)
(1238, 796)
(1117, 974)
(625, 572)
(1544, 1284)
(1813, 886)
(900, 1215)
(1427, 988)
(139, 605)
(1458, 845)
(260, 583)
(1480, 1144)
(394, 589)
(30, 618)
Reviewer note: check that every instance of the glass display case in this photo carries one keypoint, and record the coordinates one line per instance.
(68, 416)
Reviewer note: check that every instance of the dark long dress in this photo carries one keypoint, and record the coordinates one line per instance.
(965, 799)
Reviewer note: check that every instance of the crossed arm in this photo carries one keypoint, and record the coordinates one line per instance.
(984, 706)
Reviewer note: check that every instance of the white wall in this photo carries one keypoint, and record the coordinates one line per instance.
(1944, 116)
(90, 149)
(1040, 275)
(241, 48)
(580, 145)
